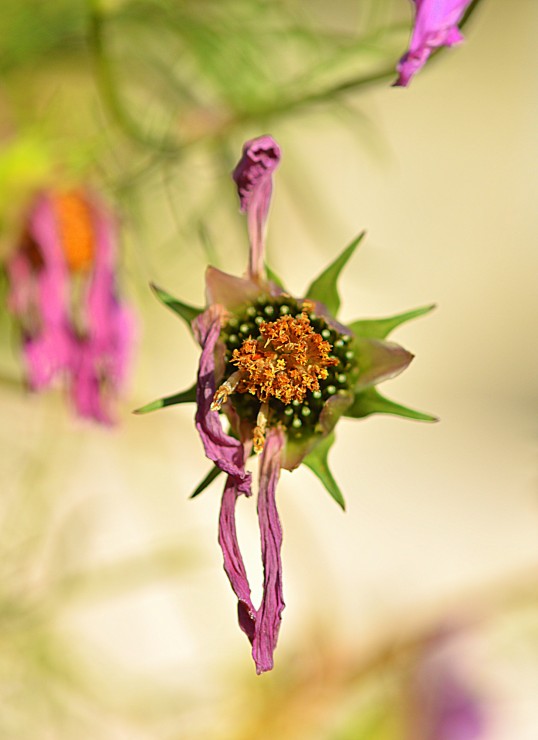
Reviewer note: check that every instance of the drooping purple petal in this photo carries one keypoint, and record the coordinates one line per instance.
(225, 451)
(253, 176)
(233, 561)
(101, 352)
(436, 25)
(270, 611)
(260, 625)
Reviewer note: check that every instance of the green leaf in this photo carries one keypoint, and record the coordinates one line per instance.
(188, 396)
(273, 277)
(210, 477)
(324, 288)
(381, 328)
(318, 464)
(370, 401)
(187, 313)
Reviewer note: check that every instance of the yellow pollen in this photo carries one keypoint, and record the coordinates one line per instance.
(288, 360)
(75, 227)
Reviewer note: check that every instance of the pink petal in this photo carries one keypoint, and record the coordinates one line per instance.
(228, 290)
(436, 25)
(253, 176)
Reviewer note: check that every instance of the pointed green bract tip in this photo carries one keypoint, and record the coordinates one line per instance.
(153, 406)
(188, 396)
(370, 401)
(381, 328)
(324, 288)
(186, 312)
(318, 464)
(210, 477)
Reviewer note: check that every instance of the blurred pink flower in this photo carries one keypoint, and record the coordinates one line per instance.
(62, 282)
(444, 703)
(436, 25)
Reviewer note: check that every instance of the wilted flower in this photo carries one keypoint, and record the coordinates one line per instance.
(436, 25)
(282, 370)
(62, 283)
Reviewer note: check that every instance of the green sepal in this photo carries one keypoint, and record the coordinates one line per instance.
(273, 277)
(210, 477)
(381, 328)
(188, 396)
(187, 313)
(324, 287)
(318, 464)
(370, 401)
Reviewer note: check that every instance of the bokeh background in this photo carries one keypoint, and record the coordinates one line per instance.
(116, 620)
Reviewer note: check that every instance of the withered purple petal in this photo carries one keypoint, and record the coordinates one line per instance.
(270, 611)
(253, 177)
(233, 562)
(225, 451)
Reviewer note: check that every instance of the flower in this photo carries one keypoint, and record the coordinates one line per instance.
(443, 703)
(436, 25)
(282, 370)
(62, 280)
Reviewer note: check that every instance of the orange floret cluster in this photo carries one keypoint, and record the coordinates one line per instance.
(76, 229)
(288, 361)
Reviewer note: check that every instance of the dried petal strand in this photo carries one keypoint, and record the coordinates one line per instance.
(270, 612)
(233, 562)
(253, 176)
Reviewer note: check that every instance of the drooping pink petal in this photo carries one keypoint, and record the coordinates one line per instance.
(101, 352)
(436, 25)
(253, 176)
(233, 561)
(229, 291)
(379, 360)
(270, 611)
(38, 297)
(225, 451)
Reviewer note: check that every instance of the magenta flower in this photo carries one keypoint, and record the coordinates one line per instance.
(282, 371)
(62, 279)
(436, 25)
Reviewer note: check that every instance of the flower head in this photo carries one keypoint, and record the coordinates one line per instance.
(436, 25)
(281, 370)
(62, 279)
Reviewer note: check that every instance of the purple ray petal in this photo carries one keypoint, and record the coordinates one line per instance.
(253, 176)
(225, 451)
(233, 562)
(435, 26)
(269, 614)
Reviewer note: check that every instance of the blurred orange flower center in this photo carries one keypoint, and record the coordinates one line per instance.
(76, 229)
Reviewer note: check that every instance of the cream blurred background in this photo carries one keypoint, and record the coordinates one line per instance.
(116, 577)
